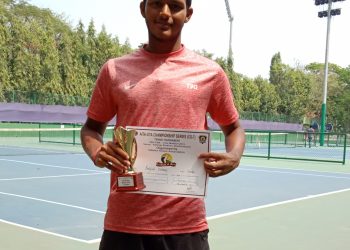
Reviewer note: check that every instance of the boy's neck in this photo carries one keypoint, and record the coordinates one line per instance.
(161, 47)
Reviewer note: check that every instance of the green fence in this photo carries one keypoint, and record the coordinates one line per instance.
(293, 145)
(258, 116)
(65, 134)
(41, 139)
(263, 144)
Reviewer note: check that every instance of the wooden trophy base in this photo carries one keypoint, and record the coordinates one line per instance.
(130, 182)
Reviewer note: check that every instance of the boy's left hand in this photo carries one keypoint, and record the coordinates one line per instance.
(217, 164)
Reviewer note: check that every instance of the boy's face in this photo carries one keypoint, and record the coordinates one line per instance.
(165, 18)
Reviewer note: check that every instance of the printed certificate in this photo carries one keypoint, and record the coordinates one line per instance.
(168, 160)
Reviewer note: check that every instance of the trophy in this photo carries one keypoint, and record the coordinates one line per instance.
(130, 180)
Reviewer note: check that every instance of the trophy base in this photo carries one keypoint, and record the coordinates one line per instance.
(130, 182)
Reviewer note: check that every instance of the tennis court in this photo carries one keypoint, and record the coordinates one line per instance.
(53, 197)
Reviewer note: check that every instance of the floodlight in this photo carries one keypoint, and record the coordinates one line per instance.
(327, 13)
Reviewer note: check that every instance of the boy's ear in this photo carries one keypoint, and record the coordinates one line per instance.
(189, 14)
(142, 8)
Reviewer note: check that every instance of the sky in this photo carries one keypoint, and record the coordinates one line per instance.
(260, 29)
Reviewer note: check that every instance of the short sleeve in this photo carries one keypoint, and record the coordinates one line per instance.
(221, 106)
(102, 107)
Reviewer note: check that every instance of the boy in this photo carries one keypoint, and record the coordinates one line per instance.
(161, 85)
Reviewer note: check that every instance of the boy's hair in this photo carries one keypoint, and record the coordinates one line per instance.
(188, 3)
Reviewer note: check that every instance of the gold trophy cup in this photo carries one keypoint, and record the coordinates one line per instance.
(130, 180)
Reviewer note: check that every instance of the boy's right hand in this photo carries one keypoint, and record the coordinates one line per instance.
(113, 157)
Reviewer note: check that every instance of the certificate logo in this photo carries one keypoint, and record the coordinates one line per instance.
(202, 139)
(166, 161)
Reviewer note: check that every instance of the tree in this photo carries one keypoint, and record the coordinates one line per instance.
(269, 99)
(4, 54)
(76, 81)
(341, 115)
(250, 95)
(105, 49)
(50, 62)
(24, 58)
(337, 91)
(297, 92)
(91, 49)
(126, 47)
(338, 98)
(205, 53)
(276, 69)
(41, 52)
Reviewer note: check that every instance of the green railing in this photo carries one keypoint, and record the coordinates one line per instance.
(293, 146)
(262, 144)
(21, 139)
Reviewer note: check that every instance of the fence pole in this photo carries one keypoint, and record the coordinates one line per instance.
(73, 133)
(344, 153)
(269, 146)
(39, 132)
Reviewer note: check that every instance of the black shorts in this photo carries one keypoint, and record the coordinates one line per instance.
(125, 241)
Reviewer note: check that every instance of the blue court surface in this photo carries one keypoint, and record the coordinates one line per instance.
(65, 196)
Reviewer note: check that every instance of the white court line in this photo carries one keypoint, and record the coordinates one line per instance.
(50, 176)
(45, 232)
(94, 241)
(298, 173)
(276, 204)
(208, 218)
(53, 166)
(53, 202)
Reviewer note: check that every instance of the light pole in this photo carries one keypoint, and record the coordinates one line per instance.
(230, 18)
(326, 13)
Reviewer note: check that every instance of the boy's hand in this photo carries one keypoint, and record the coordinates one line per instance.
(113, 157)
(217, 164)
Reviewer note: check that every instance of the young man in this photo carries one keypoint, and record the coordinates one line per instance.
(161, 85)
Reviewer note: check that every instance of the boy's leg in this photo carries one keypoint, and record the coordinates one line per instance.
(191, 241)
(124, 241)
(120, 241)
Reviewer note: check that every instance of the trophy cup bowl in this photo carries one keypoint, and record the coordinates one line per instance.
(130, 180)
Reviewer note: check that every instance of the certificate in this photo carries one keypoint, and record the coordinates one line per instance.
(168, 160)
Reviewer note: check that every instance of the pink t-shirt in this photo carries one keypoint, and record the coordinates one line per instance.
(173, 90)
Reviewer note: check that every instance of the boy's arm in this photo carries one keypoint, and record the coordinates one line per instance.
(234, 138)
(217, 164)
(107, 155)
